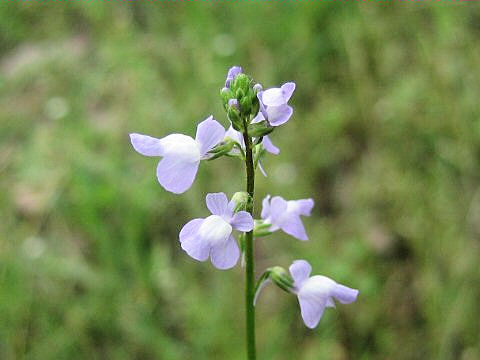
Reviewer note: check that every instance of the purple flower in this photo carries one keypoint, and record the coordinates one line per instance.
(285, 215)
(212, 237)
(273, 104)
(317, 292)
(232, 72)
(181, 153)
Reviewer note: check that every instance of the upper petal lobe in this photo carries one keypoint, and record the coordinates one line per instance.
(217, 203)
(209, 134)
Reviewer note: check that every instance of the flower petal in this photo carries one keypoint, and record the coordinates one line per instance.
(278, 207)
(225, 255)
(301, 207)
(292, 225)
(209, 134)
(265, 207)
(312, 310)
(232, 72)
(258, 118)
(344, 294)
(273, 97)
(242, 221)
(175, 174)
(146, 145)
(300, 271)
(191, 243)
(268, 145)
(278, 115)
(288, 89)
(217, 203)
(262, 108)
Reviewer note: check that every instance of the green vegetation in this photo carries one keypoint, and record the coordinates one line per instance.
(385, 137)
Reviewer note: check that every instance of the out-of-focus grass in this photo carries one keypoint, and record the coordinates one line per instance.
(385, 137)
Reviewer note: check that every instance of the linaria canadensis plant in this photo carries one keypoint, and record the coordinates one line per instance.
(252, 113)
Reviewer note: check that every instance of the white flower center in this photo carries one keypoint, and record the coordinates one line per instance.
(182, 147)
(316, 287)
(215, 230)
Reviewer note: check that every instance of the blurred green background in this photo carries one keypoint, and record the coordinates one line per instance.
(385, 137)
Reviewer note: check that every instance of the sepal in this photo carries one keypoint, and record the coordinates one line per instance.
(260, 129)
(261, 228)
(222, 149)
(241, 201)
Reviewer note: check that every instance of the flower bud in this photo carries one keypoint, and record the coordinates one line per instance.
(235, 119)
(257, 88)
(233, 103)
(241, 200)
(239, 94)
(279, 276)
(241, 88)
(226, 94)
(260, 129)
(221, 149)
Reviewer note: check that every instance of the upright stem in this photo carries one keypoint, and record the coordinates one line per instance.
(249, 255)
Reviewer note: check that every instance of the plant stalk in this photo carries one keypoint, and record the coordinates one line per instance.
(249, 252)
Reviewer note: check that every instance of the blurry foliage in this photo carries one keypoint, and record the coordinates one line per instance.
(385, 137)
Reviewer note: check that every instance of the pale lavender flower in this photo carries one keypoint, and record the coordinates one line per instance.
(317, 292)
(181, 153)
(212, 237)
(232, 72)
(273, 104)
(285, 215)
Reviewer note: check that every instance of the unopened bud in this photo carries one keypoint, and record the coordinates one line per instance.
(279, 276)
(233, 103)
(241, 200)
(260, 129)
(221, 149)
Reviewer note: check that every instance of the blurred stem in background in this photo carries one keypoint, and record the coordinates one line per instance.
(249, 255)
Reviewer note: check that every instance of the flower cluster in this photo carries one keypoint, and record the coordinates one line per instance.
(253, 114)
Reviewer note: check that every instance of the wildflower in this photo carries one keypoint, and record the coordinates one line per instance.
(317, 292)
(181, 153)
(273, 104)
(212, 237)
(285, 215)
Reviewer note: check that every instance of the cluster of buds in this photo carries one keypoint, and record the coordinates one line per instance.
(239, 98)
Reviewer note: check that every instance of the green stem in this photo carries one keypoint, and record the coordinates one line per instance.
(249, 255)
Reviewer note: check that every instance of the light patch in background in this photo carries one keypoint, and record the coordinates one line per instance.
(285, 173)
(33, 247)
(56, 108)
(224, 45)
